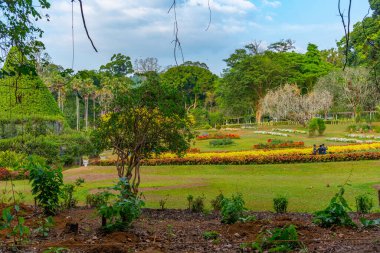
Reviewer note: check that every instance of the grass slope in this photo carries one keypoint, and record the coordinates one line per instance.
(309, 187)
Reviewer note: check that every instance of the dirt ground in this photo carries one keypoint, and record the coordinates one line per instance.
(182, 231)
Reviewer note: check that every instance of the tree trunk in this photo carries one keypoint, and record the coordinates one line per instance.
(93, 110)
(86, 111)
(258, 116)
(77, 102)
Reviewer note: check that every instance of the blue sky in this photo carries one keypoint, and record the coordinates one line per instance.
(143, 28)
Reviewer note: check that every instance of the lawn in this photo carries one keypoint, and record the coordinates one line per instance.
(249, 138)
(309, 187)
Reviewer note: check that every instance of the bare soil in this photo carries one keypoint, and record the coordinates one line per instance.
(182, 231)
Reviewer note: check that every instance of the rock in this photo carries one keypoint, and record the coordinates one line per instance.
(237, 235)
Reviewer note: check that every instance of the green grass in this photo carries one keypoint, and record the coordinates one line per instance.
(248, 138)
(304, 184)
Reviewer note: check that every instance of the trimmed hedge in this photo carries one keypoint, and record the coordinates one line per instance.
(275, 159)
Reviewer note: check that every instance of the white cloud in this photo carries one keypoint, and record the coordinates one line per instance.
(269, 18)
(274, 4)
(225, 6)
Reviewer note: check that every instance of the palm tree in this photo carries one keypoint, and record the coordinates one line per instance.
(77, 85)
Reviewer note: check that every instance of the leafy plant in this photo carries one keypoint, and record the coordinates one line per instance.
(56, 250)
(14, 224)
(217, 202)
(67, 191)
(369, 223)
(364, 203)
(336, 213)
(44, 226)
(280, 204)
(198, 205)
(276, 240)
(121, 212)
(316, 125)
(210, 235)
(98, 199)
(46, 185)
(162, 203)
(232, 209)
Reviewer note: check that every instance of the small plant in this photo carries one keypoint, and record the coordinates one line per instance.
(364, 203)
(162, 203)
(369, 223)
(46, 185)
(67, 193)
(190, 200)
(198, 205)
(280, 204)
(44, 227)
(276, 240)
(120, 213)
(336, 213)
(210, 235)
(232, 209)
(221, 142)
(56, 250)
(217, 202)
(97, 199)
(14, 224)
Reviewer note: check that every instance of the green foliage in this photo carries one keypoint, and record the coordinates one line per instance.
(44, 226)
(56, 250)
(190, 199)
(123, 210)
(162, 203)
(361, 128)
(197, 205)
(221, 142)
(369, 223)
(276, 240)
(14, 224)
(232, 209)
(280, 204)
(56, 149)
(210, 235)
(364, 203)
(25, 94)
(11, 159)
(217, 202)
(67, 192)
(336, 214)
(120, 65)
(316, 125)
(46, 185)
(97, 199)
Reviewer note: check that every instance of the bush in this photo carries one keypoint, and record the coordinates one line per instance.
(232, 209)
(217, 202)
(364, 203)
(46, 185)
(197, 205)
(276, 240)
(11, 159)
(360, 128)
(316, 125)
(96, 200)
(5, 174)
(280, 204)
(336, 214)
(210, 235)
(221, 142)
(67, 193)
(123, 210)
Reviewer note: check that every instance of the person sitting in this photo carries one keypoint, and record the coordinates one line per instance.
(324, 149)
(314, 149)
(320, 150)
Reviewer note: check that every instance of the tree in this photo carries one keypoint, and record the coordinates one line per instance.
(192, 81)
(120, 65)
(143, 120)
(353, 89)
(282, 46)
(146, 65)
(76, 86)
(287, 102)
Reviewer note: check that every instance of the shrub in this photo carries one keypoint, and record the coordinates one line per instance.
(198, 205)
(120, 213)
(364, 203)
(96, 200)
(11, 159)
(46, 184)
(5, 174)
(217, 202)
(321, 126)
(276, 240)
(67, 192)
(210, 235)
(280, 204)
(232, 209)
(361, 128)
(316, 125)
(222, 142)
(335, 214)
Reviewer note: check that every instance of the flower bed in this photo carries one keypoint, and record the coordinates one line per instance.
(289, 131)
(272, 159)
(363, 136)
(271, 133)
(271, 144)
(218, 136)
(335, 153)
(347, 140)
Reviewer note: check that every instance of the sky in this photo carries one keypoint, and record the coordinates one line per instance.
(144, 28)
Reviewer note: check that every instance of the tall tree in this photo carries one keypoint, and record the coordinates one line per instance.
(120, 65)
